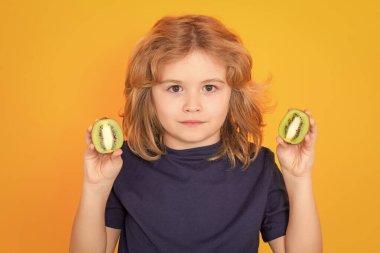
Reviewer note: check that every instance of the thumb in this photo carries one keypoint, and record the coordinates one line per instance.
(90, 152)
(281, 142)
(116, 158)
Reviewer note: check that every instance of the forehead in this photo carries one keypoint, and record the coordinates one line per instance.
(194, 66)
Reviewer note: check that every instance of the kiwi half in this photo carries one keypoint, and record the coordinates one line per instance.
(294, 126)
(107, 135)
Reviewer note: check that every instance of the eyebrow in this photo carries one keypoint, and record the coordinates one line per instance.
(205, 81)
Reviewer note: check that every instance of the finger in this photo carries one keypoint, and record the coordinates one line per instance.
(91, 152)
(88, 135)
(306, 142)
(307, 138)
(311, 119)
(313, 126)
(116, 153)
(281, 142)
(310, 139)
(307, 111)
(309, 142)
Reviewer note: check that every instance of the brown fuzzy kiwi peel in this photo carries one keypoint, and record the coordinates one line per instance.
(294, 126)
(107, 135)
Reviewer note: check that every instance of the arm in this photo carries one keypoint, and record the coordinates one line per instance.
(278, 245)
(113, 235)
(89, 231)
(303, 234)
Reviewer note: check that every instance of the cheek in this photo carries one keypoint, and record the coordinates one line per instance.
(223, 110)
(159, 104)
(221, 107)
(165, 112)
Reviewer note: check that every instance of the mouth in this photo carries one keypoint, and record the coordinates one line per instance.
(192, 122)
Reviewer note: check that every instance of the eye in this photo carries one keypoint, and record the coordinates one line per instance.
(209, 87)
(175, 88)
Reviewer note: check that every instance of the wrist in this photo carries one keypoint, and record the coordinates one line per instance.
(99, 189)
(297, 185)
(304, 179)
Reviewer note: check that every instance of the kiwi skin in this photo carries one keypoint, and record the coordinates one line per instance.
(304, 129)
(117, 135)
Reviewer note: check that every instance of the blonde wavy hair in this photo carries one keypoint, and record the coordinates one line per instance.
(170, 39)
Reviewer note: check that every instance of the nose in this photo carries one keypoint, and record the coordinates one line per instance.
(192, 102)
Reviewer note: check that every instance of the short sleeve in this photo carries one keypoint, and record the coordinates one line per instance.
(114, 212)
(276, 215)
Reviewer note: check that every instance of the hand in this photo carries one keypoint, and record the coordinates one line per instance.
(297, 160)
(100, 168)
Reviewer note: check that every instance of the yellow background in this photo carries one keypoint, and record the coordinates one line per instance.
(62, 65)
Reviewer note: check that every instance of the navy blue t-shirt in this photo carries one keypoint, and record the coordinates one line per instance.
(186, 204)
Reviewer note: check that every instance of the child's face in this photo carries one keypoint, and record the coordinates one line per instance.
(190, 98)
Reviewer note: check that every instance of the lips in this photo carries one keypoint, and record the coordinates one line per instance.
(192, 121)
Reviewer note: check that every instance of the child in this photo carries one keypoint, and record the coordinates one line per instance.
(192, 175)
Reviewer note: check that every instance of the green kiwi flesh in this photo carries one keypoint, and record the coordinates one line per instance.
(294, 126)
(107, 135)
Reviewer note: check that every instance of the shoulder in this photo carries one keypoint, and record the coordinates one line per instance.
(130, 163)
(263, 161)
(128, 156)
(266, 159)
(265, 151)
(131, 157)
(270, 161)
(127, 151)
(125, 146)
(265, 154)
